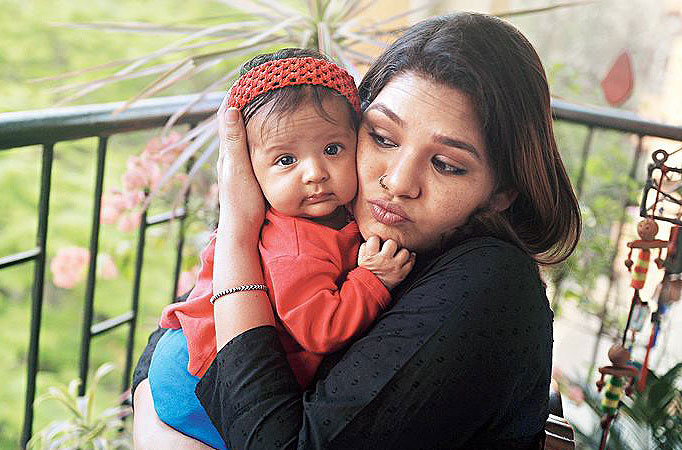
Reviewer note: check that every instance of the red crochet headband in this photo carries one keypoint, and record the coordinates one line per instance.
(292, 72)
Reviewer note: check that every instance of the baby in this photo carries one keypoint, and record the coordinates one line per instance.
(326, 287)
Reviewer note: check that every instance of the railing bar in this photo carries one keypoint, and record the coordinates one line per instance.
(18, 258)
(166, 217)
(110, 324)
(37, 292)
(181, 233)
(18, 129)
(614, 119)
(135, 300)
(88, 308)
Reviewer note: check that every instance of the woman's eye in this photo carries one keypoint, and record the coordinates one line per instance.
(286, 160)
(332, 149)
(446, 168)
(381, 141)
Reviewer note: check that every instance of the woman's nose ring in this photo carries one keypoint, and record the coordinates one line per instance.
(381, 182)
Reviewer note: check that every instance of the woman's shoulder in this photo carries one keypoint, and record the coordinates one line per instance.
(484, 271)
(486, 254)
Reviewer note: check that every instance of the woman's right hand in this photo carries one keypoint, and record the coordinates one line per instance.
(242, 206)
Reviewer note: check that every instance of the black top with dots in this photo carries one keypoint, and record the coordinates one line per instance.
(461, 360)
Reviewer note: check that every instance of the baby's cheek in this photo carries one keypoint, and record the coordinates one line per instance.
(350, 183)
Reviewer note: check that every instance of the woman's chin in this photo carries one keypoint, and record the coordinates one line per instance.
(383, 232)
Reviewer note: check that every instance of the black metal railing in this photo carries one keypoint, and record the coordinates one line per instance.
(50, 127)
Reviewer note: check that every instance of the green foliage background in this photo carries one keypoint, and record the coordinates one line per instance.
(31, 48)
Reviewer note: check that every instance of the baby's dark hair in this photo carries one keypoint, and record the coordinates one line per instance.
(289, 98)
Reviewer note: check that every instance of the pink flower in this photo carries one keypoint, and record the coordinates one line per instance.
(68, 266)
(106, 268)
(113, 205)
(135, 177)
(115, 198)
(157, 149)
(132, 199)
(129, 222)
(187, 280)
(109, 214)
(154, 173)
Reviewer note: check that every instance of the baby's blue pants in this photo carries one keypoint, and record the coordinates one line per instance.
(173, 391)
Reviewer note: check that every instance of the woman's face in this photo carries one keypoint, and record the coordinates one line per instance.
(422, 164)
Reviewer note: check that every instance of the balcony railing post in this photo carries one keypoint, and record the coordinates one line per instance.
(86, 335)
(37, 292)
(181, 234)
(135, 301)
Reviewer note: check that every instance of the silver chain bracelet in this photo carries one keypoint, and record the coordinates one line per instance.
(244, 287)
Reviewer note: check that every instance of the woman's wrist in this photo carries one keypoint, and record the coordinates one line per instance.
(236, 259)
(239, 232)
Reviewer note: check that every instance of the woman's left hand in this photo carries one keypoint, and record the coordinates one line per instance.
(242, 206)
(242, 211)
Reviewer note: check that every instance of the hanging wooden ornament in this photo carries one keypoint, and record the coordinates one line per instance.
(621, 377)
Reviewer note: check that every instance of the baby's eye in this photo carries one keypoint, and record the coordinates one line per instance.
(286, 160)
(332, 149)
(445, 168)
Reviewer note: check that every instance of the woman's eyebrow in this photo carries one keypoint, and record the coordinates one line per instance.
(456, 143)
(387, 112)
(438, 138)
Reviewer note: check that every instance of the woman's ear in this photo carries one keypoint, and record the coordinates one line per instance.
(502, 200)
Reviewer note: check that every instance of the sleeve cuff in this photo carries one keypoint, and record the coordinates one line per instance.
(374, 286)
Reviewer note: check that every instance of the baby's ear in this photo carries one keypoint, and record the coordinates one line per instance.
(502, 200)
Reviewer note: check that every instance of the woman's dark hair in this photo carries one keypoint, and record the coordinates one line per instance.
(289, 98)
(496, 66)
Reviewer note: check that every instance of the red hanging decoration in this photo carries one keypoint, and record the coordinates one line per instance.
(618, 83)
(622, 372)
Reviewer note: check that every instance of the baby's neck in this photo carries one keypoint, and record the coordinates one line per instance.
(336, 220)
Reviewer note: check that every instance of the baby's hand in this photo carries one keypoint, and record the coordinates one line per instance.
(389, 264)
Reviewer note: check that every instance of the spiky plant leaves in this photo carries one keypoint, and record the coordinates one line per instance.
(331, 26)
(82, 429)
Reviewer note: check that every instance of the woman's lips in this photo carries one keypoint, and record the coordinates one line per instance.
(387, 213)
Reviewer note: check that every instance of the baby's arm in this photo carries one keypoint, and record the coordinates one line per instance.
(389, 264)
(322, 317)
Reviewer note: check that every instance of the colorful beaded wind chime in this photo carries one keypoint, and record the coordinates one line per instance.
(661, 201)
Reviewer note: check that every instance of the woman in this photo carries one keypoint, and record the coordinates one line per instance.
(457, 162)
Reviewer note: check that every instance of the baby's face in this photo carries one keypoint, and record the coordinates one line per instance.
(304, 163)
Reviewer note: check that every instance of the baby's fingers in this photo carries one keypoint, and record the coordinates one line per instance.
(403, 256)
(408, 265)
(389, 248)
(372, 245)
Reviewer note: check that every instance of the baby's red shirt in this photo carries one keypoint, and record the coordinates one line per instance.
(321, 298)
